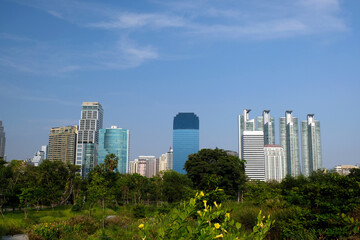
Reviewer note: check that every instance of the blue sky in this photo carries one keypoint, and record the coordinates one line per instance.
(145, 61)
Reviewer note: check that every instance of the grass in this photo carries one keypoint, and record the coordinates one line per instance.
(124, 224)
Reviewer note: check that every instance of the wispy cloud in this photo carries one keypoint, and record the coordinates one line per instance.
(188, 20)
(136, 20)
(43, 58)
(17, 93)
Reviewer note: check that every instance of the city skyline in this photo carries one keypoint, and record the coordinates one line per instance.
(145, 61)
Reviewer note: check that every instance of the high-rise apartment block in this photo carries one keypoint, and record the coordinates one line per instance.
(289, 140)
(41, 155)
(144, 165)
(274, 162)
(185, 139)
(253, 152)
(268, 128)
(166, 161)
(2, 141)
(117, 141)
(88, 136)
(310, 145)
(62, 144)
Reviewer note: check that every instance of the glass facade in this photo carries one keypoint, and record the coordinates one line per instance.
(310, 145)
(289, 140)
(88, 158)
(116, 141)
(185, 139)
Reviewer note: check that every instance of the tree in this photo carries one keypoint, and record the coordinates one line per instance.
(211, 168)
(111, 162)
(176, 186)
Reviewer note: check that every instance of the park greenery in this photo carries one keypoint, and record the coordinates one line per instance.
(214, 200)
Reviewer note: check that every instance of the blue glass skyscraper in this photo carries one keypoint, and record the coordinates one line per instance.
(185, 139)
(115, 140)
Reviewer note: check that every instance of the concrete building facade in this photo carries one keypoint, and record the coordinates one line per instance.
(62, 144)
(274, 162)
(253, 152)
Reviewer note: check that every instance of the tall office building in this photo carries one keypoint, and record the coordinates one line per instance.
(289, 140)
(88, 136)
(274, 162)
(253, 153)
(2, 141)
(244, 124)
(185, 139)
(117, 141)
(166, 161)
(310, 145)
(62, 144)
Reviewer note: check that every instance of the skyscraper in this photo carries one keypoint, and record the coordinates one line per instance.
(266, 124)
(289, 140)
(117, 141)
(88, 136)
(244, 124)
(2, 141)
(253, 153)
(62, 144)
(274, 162)
(269, 128)
(166, 161)
(310, 145)
(185, 139)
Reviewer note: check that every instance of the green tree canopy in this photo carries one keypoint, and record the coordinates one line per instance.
(211, 168)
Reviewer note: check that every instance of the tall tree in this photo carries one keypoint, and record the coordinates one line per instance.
(111, 162)
(176, 186)
(211, 168)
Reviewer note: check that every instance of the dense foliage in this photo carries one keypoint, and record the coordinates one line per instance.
(211, 168)
(322, 206)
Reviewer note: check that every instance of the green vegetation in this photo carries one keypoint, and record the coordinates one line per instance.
(57, 204)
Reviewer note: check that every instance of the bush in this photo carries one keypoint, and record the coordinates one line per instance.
(164, 209)
(139, 211)
(55, 230)
(76, 208)
(118, 221)
(208, 223)
(88, 225)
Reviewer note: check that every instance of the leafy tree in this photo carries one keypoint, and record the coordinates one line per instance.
(355, 174)
(211, 168)
(111, 162)
(176, 186)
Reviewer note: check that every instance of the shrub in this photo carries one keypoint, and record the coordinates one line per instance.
(139, 211)
(87, 224)
(210, 222)
(118, 221)
(55, 230)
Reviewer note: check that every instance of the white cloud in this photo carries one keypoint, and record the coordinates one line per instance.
(196, 21)
(135, 20)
